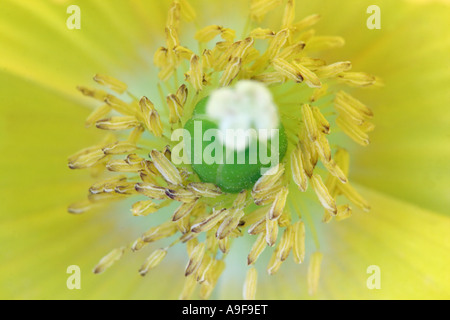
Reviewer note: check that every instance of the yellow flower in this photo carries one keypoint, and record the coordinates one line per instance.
(403, 173)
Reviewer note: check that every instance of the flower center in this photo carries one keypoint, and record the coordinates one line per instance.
(245, 135)
(206, 202)
(247, 106)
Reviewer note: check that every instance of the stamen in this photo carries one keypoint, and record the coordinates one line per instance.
(133, 158)
(259, 8)
(289, 14)
(258, 247)
(323, 148)
(306, 36)
(183, 210)
(310, 122)
(322, 122)
(308, 155)
(265, 184)
(151, 191)
(224, 245)
(298, 171)
(286, 243)
(207, 190)
(204, 271)
(207, 59)
(351, 103)
(334, 69)
(257, 227)
(175, 108)
(225, 58)
(292, 52)
(227, 34)
(207, 287)
(325, 43)
(93, 93)
(285, 219)
(80, 207)
(162, 231)
(190, 245)
(353, 131)
(118, 165)
(307, 22)
(155, 124)
(314, 272)
(351, 194)
(229, 223)
(105, 197)
(135, 135)
(108, 260)
(182, 195)
(210, 221)
(182, 95)
(312, 64)
(274, 263)
(319, 93)
(160, 57)
(114, 84)
(195, 259)
(168, 171)
(187, 12)
(183, 53)
(126, 188)
(188, 288)
(119, 147)
(278, 204)
(184, 224)
(172, 40)
(118, 105)
(278, 41)
(298, 246)
(263, 34)
(357, 79)
(252, 217)
(173, 16)
(144, 208)
(287, 69)
(230, 72)
(208, 33)
(152, 261)
(97, 114)
(335, 170)
(344, 212)
(308, 76)
(196, 73)
(239, 202)
(250, 284)
(86, 160)
(270, 78)
(244, 48)
(271, 232)
(102, 186)
(167, 71)
(117, 123)
(323, 194)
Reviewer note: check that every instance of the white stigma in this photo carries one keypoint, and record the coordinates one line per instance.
(244, 112)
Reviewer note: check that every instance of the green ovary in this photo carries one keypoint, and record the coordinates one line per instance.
(230, 176)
